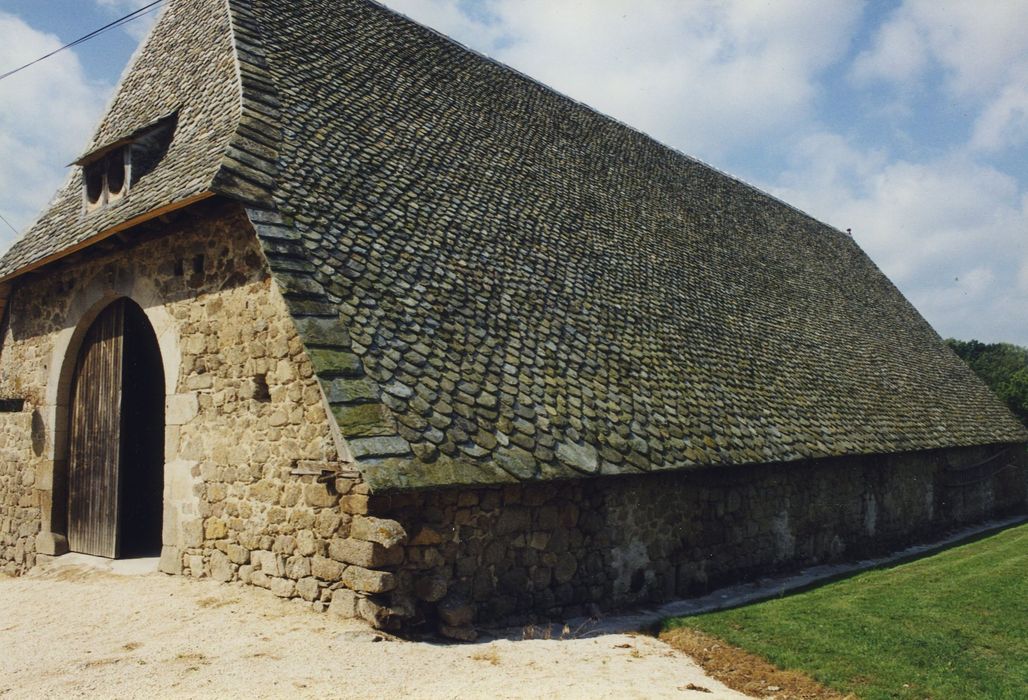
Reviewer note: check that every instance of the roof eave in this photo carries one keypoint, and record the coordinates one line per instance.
(107, 233)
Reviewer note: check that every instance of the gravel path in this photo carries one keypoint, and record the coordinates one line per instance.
(72, 631)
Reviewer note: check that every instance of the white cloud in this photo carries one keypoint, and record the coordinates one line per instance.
(898, 53)
(706, 78)
(1004, 122)
(978, 45)
(46, 114)
(138, 27)
(952, 234)
(981, 50)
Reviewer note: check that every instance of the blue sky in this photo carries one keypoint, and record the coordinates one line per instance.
(906, 121)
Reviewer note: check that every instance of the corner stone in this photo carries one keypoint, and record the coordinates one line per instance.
(171, 560)
(367, 580)
(326, 569)
(370, 555)
(387, 533)
(344, 603)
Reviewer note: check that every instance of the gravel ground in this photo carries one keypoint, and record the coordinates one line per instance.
(74, 631)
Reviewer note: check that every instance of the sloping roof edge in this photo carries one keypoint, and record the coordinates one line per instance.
(100, 151)
(107, 233)
(249, 166)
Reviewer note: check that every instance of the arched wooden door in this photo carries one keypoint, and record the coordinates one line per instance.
(116, 437)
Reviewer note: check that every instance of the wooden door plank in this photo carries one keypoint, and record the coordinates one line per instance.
(95, 437)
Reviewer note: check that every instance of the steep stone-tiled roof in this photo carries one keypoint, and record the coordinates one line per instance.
(536, 291)
(496, 283)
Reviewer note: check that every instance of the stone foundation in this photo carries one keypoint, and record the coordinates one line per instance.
(551, 551)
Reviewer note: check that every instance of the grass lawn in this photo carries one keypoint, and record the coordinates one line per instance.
(953, 625)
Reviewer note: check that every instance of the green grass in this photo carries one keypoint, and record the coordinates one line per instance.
(953, 625)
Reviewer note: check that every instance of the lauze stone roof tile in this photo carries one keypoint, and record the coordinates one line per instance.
(496, 283)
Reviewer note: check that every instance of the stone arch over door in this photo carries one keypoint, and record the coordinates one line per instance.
(92, 297)
(116, 437)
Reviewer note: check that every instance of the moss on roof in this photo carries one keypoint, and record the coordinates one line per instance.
(496, 283)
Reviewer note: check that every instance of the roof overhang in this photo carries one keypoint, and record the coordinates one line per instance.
(98, 153)
(107, 233)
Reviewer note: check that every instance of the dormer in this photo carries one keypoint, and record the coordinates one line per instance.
(109, 173)
(107, 178)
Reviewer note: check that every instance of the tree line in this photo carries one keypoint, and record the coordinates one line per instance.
(1002, 366)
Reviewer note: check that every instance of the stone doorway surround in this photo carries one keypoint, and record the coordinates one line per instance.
(106, 285)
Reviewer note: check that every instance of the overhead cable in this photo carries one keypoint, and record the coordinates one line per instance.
(116, 23)
(9, 225)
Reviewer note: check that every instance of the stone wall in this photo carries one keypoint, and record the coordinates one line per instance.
(243, 413)
(246, 437)
(19, 500)
(506, 555)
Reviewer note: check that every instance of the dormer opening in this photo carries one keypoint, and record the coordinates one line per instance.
(94, 175)
(117, 164)
(105, 178)
(110, 173)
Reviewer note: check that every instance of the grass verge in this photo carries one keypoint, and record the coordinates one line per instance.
(953, 625)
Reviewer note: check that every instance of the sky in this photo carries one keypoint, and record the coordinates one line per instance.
(904, 121)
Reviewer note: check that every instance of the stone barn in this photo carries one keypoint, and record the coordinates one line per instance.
(333, 306)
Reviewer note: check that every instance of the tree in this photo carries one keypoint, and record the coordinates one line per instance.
(1002, 366)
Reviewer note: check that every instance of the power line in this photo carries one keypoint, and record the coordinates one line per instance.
(116, 23)
(8, 224)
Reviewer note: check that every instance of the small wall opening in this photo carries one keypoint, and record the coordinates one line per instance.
(110, 172)
(261, 392)
(115, 173)
(106, 178)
